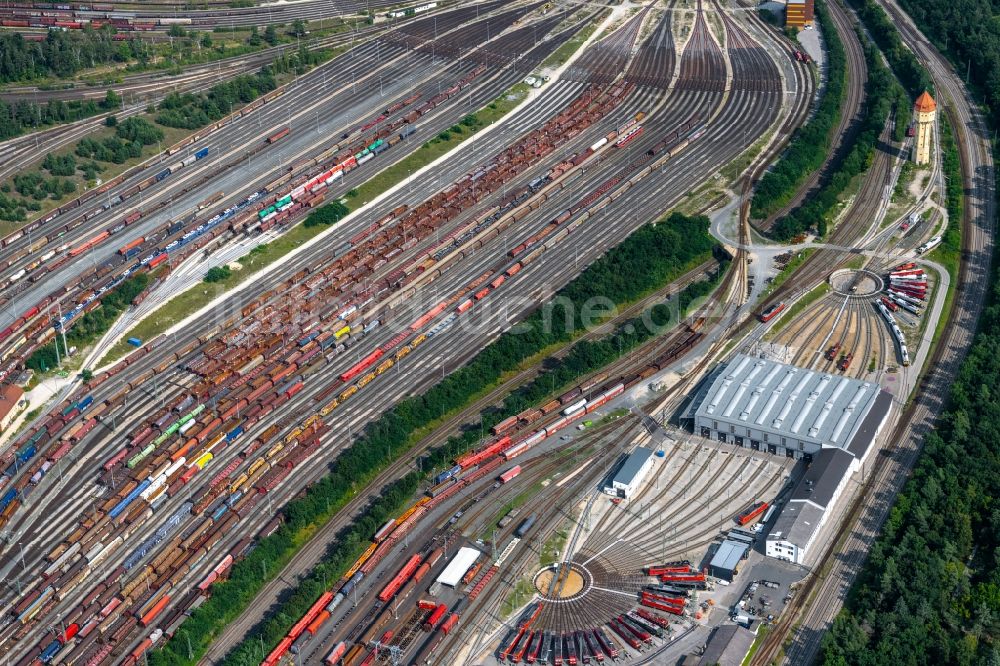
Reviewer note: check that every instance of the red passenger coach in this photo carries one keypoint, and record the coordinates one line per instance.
(510, 474)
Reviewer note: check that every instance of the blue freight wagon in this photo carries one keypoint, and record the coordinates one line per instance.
(50, 651)
(135, 342)
(525, 526)
(201, 153)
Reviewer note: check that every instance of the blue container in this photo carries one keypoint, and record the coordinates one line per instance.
(135, 342)
(8, 497)
(50, 651)
(201, 153)
(86, 402)
(163, 174)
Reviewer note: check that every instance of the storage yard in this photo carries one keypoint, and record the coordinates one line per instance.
(666, 504)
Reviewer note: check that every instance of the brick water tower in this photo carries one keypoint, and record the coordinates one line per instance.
(924, 112)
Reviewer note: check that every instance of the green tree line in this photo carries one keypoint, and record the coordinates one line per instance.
(23, 116)
(93, 324)
(904, 63)
(327, 214)
(882, 94)
(807, 149)
(951, 239)
(61, 54)
(968, 33)
(665, 251)
(914, 77)
(195, 110)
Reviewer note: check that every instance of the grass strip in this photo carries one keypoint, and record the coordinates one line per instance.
(949, 252)
(822, 289)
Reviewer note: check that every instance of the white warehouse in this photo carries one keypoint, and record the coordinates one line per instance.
(631, 474)
(788, 411)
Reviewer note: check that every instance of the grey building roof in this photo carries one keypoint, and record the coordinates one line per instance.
(728, 556)
(728, 646)
(788, 401)
(797, 523)
(631, 467)
(812, 496)
(872, 423)
(822, 477)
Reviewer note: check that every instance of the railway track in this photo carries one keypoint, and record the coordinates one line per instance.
(699, 153)
(814, 607)
(848, 124)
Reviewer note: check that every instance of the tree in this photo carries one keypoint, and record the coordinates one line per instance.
(298, 28)
(206, 40)
(139, 130)
(254, 38)
(331, 213)
(177, 31)
(217, 274)
(111, 121)
(271, 35)
(111, 100)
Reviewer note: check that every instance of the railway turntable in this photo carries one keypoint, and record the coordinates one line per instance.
(583, 593)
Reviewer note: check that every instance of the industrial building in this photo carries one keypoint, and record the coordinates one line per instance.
(631, 474)
(11, 403)
(728, 645)
(799, 13)
(788, 411)
(458, 567)
(726, 561)
(809, 505)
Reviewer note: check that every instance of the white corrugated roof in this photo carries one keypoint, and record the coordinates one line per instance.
(811, 406)
(459, 565)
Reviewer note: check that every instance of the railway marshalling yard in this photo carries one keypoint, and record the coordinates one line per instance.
(667, 504)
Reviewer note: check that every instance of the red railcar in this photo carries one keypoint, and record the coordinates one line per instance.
(277, 136)
(772, 312)
(404, 574)
(750, 514)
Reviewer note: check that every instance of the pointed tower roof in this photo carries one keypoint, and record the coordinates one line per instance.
(925, 103)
